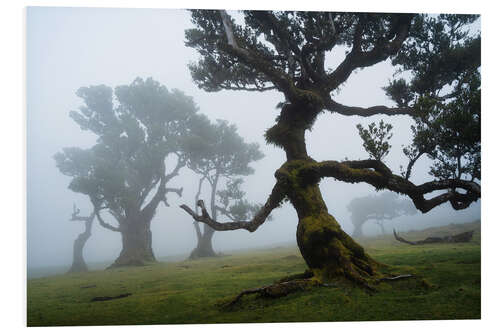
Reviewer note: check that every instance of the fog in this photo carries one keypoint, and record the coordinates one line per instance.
(68, 48)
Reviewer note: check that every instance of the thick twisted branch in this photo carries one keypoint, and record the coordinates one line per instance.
(275, 198)
(379, 175)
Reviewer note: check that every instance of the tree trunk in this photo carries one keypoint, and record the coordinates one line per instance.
(358, 230)
(79, 264)
(204, 247)
(137, 245)
(329, 252)
(382, 228)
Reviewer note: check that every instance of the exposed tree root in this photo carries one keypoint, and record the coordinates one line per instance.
(278, 289)
(301, 276)
(307, 280)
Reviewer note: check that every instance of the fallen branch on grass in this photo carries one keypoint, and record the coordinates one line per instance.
(394, 278)
(460, 238)
(108, 298)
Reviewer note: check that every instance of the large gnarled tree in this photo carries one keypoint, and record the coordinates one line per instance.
(287, 51)
(138, 127)
(218, 153)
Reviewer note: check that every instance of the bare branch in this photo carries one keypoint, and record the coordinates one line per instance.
(333, 106)
(76, 217)
(387, 47)
(178, 191)
(411, 163)
(161, 192)
(275, 198)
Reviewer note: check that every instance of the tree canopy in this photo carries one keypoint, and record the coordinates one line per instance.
(217, 152)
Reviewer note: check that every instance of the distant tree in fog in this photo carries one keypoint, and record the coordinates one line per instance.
(138, 127)
(378, 208)
(218, 153)
(439, 57)
(78, 265)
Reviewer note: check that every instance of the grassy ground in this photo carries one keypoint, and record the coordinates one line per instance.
(448, 287)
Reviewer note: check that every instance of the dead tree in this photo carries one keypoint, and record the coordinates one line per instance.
(463, 237)
(79, 264)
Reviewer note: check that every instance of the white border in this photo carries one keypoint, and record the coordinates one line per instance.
(13, 244)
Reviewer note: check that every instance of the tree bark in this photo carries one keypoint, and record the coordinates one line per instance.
(329, 252)
(137, 247)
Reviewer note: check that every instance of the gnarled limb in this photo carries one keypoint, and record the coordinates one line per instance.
(377, 174)
(345, 110)
(275, 198)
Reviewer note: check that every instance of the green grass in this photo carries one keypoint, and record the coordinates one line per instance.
(448, 287)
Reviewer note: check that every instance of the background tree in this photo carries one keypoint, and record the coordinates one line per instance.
(287, 51)
(138, 126)
(217, 152)
(379, 208)
(79, 264)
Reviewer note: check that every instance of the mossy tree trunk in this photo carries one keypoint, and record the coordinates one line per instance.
(329, 252)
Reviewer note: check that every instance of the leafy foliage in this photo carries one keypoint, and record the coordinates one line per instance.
(137, 127)
(233, 202)
(443, 62)
(376, 139)
(217, 151)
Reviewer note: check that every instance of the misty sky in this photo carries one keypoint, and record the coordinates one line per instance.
(68, 48)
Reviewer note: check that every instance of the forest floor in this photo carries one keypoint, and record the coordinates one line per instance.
(447, 286)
